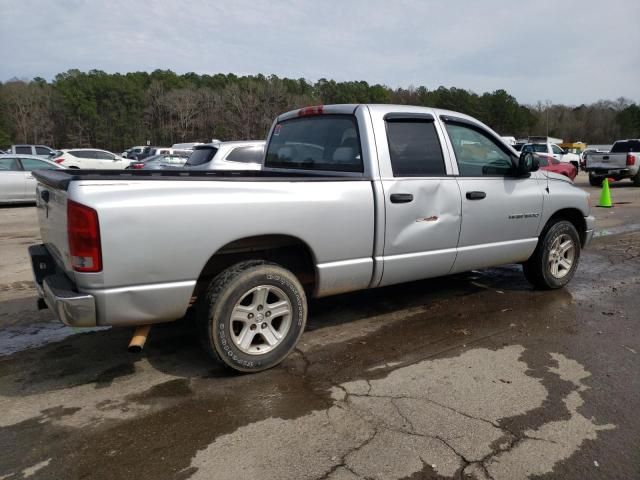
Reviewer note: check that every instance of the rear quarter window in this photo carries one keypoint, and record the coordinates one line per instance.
(246, 154)
(201, 156)
(320, 142)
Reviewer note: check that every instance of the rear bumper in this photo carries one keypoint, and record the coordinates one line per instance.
(59, 293)
(121, 306)
(614, 172)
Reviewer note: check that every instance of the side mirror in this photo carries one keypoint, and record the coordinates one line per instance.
(527, 163)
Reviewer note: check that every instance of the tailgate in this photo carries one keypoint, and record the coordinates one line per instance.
(51, 205)
(606, 161)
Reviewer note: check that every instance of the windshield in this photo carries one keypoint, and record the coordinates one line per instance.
(321, 142)
(201, 155)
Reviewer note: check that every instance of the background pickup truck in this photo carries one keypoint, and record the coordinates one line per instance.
(623, 161)
(553, 150)
(351, 197)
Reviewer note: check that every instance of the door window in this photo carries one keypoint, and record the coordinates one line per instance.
(100, 155)
(43, 151)
(24, 150)
(477, 154)
(414, 149)
(556, 150)
(9, 164)
(31, 164)
(82, 153)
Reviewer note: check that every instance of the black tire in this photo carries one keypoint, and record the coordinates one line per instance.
(219, 333)
(594, 180)
(636, 179)
(538, 269)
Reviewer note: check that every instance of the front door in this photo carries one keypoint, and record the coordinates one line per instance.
(422, 203)
(500, 212)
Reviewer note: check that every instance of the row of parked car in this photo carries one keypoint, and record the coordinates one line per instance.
(18, 185)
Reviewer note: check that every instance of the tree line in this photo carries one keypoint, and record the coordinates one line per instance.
(116, 111)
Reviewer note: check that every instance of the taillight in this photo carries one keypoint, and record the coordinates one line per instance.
(137, 165)
(315, 110)
(59, 160)
(631, 160)
(83, 231)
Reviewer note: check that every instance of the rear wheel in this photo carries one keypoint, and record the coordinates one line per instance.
(636, 179)
(555, 259)
(594, 180)
(253, 316)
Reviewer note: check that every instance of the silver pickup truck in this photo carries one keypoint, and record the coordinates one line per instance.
(623, 161)
(350, 197)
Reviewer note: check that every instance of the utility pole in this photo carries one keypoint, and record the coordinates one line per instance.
(547, 104)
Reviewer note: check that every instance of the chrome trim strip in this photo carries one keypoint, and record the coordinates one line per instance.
(345, 263)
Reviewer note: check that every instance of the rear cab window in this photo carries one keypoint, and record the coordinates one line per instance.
(327, 142)
(627, 146)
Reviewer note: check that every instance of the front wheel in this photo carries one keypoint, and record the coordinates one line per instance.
(555, 259)
(253, 315)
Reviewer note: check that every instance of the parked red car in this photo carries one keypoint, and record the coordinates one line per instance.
(547, 162)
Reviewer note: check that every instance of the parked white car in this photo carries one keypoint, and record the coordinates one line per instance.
(91, 158)
(16, 181)
(241, 155)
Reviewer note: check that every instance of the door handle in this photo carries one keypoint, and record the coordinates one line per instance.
(606, 157)
(476, 195)
(401, 198)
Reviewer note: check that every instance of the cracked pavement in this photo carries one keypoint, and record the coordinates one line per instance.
(474, 376)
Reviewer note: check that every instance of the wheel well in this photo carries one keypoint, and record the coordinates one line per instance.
(574, 216)
(289, 252)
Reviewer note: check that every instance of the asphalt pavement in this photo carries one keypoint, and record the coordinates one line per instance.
(475, 375)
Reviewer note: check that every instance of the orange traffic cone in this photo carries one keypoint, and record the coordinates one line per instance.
(605, 195)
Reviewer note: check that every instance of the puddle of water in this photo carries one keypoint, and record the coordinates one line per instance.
(633, 227)
(17, 338)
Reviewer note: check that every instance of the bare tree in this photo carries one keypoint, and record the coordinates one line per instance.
(28, 107)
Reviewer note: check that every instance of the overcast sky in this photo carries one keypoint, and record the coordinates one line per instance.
(566, 51)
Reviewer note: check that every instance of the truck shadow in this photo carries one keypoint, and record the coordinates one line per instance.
(100, 358)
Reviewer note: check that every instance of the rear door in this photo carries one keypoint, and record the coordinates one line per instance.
(12, 180)
(422, 202)
(500, 212)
